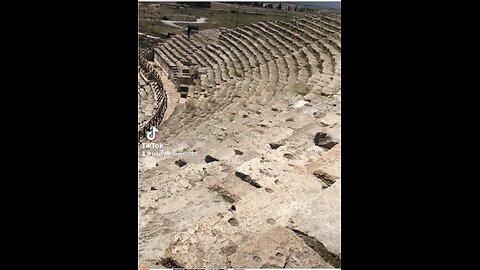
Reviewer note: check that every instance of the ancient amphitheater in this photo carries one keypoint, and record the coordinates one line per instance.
(249, 120)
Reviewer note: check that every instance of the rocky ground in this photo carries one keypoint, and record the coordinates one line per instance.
(256, 181)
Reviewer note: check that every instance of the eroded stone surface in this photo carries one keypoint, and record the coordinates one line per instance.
(241, 178)
(277, 248)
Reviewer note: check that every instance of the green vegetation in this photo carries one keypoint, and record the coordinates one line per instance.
(190, 108)
(301, 89)
(219, 15)
(154, 28)
(308, 68)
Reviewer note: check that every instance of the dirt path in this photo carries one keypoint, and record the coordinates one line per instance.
(140, 33)
(174, 23)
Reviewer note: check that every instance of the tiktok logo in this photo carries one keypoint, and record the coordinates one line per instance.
(152, 134)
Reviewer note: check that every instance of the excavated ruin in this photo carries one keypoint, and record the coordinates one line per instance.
(249, 171)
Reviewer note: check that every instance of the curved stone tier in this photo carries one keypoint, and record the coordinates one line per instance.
(261, 115)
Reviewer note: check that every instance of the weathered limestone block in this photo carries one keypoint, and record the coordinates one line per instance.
(277, 248)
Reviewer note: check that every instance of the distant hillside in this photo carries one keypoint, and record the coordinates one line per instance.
(318, 5)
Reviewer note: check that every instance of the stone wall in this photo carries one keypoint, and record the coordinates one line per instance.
(169, 67)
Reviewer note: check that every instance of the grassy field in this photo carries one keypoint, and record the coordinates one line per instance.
(219, 15)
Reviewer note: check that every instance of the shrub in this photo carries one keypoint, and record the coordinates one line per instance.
(308, 68)
(301, 89)
(190, 107)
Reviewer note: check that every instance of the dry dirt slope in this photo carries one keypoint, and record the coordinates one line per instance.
(263, 189)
